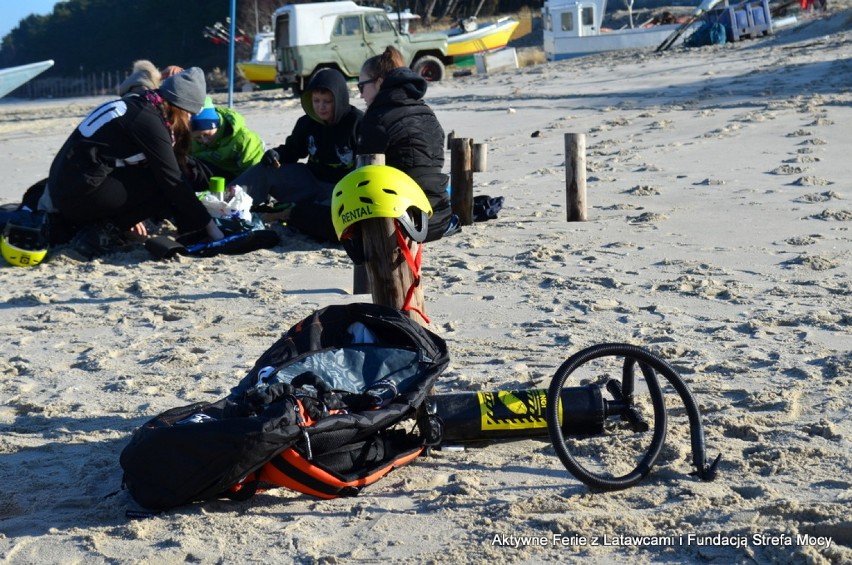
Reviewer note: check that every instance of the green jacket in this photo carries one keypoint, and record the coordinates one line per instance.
(235, 149)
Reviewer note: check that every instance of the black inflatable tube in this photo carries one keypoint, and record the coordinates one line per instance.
(650, 364)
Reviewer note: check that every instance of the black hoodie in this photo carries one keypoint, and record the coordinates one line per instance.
(399, 124)
(330, 148)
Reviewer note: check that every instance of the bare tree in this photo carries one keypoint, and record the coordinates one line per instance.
(478, 8)
(427, 14)
(449, 8)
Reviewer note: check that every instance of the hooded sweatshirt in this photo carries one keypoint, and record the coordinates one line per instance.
(235, 148)
(330, 148)
(399, 124)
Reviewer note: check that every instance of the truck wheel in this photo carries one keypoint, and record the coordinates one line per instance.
(429, 67)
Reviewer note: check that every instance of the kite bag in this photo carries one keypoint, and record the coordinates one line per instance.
(331, 407)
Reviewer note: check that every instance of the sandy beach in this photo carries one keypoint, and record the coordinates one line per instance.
(718, 236)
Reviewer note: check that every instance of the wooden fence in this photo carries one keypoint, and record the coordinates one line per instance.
(94, 84)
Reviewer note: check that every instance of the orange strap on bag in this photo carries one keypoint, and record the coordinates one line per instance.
(290, 470)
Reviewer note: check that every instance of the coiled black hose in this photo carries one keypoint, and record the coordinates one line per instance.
(650, 364)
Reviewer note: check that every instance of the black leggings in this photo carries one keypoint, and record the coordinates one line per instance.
(129, 195)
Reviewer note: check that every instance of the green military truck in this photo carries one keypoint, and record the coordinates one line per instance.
(342, 35)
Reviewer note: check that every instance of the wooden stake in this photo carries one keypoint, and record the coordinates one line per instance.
(389, 275)
(461, 169)
(575, 176)
(385, 274)
(360, 281)
(480, 157)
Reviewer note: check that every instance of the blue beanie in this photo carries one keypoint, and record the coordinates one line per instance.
(207, 118)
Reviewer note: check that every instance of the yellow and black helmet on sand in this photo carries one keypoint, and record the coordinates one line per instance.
(380, 191)
(23, 246)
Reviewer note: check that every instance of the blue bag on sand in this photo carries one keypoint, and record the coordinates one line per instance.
(486, 208)
(708, 34)
(20, 216)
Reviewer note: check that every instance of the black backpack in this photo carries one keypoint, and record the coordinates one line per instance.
(324, 411)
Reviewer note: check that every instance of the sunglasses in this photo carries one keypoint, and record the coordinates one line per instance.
(363, 83)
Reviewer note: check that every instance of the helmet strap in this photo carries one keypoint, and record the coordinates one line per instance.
(352, 244)
(414, 262)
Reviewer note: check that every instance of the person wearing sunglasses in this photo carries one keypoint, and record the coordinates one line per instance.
(400, 125)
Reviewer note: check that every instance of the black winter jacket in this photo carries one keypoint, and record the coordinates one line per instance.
(400, 125)
(124, 144)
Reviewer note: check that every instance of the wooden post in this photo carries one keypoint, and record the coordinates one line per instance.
(450, 137)
(480, 157)
(575, 176)
(385, 274)
(360, 281)
(389, 275)
(461, 179)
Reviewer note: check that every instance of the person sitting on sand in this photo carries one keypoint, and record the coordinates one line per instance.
(223, 142)
(326, 136)
(399, 124)
(144, 77)
(119, 168)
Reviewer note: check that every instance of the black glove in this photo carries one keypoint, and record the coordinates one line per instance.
(271, 159)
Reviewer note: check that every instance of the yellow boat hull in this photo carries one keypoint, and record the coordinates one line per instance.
(485, 38)
(261, 74)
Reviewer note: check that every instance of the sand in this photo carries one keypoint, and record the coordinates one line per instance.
(718, 237)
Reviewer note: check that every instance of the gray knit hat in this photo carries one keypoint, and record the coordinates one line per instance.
(186, 90)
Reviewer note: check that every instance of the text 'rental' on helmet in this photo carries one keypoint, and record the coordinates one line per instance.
(380, 191)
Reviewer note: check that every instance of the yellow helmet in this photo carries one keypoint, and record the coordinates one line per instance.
(23, 246)
(380, 191)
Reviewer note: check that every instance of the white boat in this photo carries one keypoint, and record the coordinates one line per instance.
(260, 69)
(573, 28)
(13, 77)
